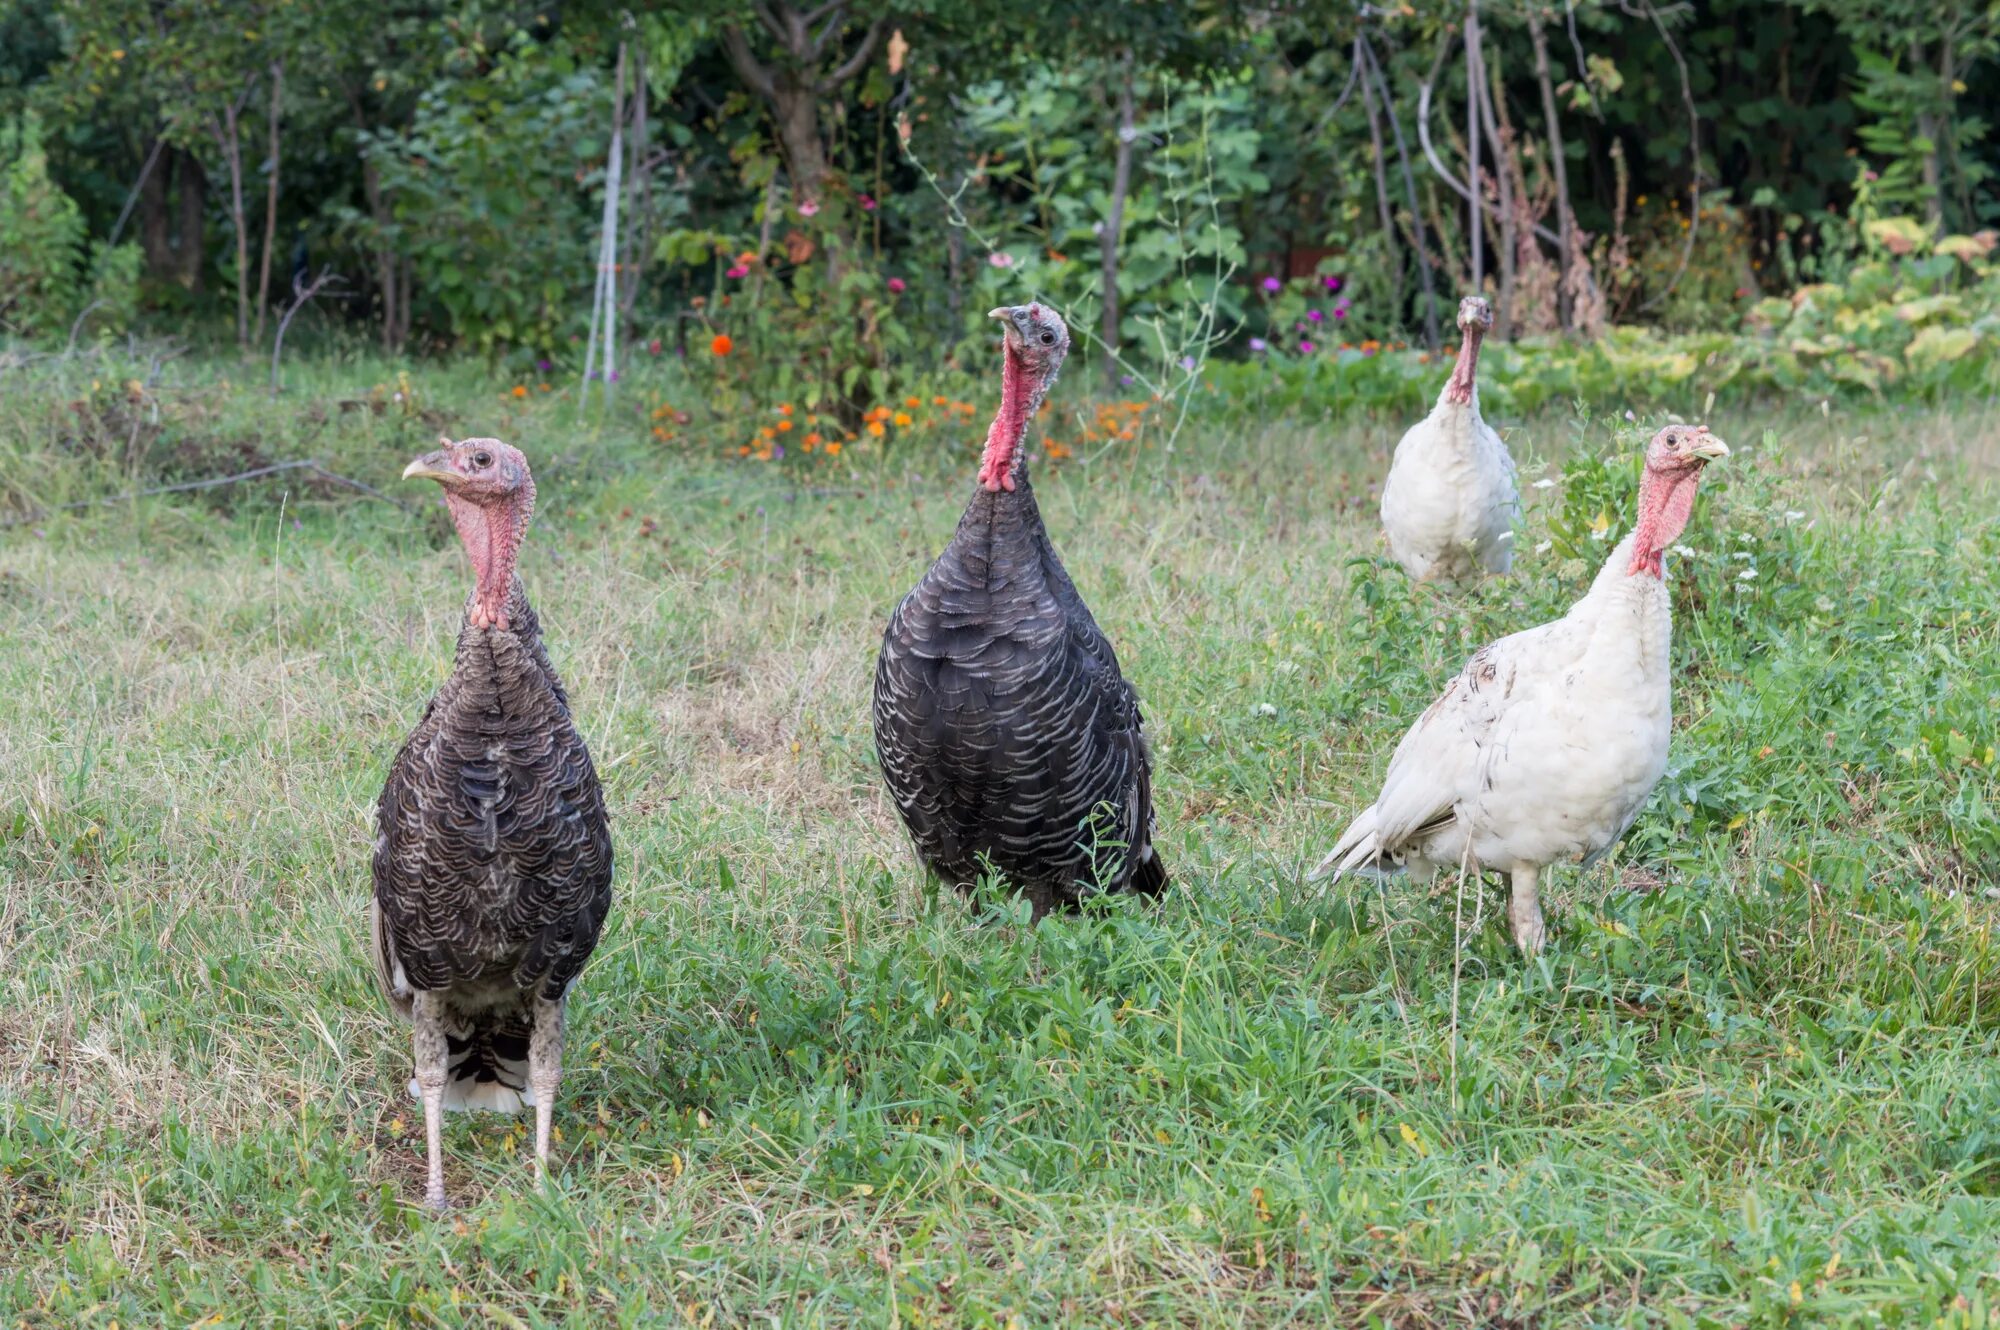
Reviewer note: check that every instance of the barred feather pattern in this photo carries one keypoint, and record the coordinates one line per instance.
(493, 856)
(1006, 733)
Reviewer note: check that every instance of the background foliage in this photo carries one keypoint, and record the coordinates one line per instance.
(847, 209)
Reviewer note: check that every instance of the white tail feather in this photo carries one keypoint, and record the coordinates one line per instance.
(506, 1090)
(1358, 849)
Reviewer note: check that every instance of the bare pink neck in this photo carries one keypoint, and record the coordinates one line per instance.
(1666, 500)
(492, 535)
(1019, 397)
(1458, 388)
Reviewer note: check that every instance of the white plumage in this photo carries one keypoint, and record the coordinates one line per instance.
(1448, 505)
(1549, 742)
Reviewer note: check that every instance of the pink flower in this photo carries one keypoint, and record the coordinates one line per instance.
(809, 208)
(738, 271)
(1000, 259)
(897, 286)
(1306, 347)
(1340, 314)
(1273, 285)
(1314, 315)
(867, 204)
(1332, 283)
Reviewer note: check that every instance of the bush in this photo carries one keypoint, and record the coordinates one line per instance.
(41, 235)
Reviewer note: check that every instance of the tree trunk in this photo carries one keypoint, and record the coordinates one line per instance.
(1114, 223)
(191, 243)
(1927, 130)
(155, 221)
(1565, 224)
(271, 195)
(1410, 195)
(1472, 81)
(378, 211)
(1503, 326)
(229, 141)
(1395, 259)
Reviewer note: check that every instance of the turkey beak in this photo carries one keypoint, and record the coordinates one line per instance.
(433, 466)
(1708, 447)
(1010, 320)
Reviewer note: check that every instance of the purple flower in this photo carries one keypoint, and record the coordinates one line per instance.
(1124, 379)
(897, 286)
(1259, 344)
(1332, 283)
(1340, 313)
(778, 451)
(1306, 347)
(1187, 363)
(1273, 285)
(1314, 315)
(543, 366)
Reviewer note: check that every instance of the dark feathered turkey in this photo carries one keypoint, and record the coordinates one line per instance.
(493, 853)
(1008, 738)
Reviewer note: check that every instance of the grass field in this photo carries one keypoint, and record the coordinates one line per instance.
(1755, 1080)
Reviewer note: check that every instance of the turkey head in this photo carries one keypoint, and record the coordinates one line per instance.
(1036, 341)
(491, 498)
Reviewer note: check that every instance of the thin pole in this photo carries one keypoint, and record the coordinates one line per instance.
(1473, 78)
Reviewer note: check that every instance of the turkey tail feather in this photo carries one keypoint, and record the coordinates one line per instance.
(1149, 875)
(486, 1061)
(1359, 849)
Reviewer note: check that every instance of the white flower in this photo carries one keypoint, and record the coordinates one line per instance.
(1545, 484)
(1743, 555)
(1600, 533)
(1793, 514)
(1747, 575)
(1266, 709)
(1629, 415)
(1505, 535)
(1683, 552)
(1544, 547)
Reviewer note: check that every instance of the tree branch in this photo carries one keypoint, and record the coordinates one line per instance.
(744, 61)
(857, 62)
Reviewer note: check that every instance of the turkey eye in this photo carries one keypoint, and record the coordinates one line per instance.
(482, 459)
(1048, 339)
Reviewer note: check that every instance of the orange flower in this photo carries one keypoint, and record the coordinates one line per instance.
(913, 401)
(520, 390)
(833, 448)
(722, 345)
(784, 425)
(768, 432)
(875, 428)
(746, 258)
(812, 438)
(902, 420)
(744, 451)
(937, 401)
(784, 408)
(543, 387)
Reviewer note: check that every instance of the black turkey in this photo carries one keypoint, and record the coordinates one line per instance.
(492, 850)
(1008, 738)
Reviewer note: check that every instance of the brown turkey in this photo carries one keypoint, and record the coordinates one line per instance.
(492, 850)
(1008, 738)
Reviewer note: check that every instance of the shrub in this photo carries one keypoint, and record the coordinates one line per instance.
(41, 235)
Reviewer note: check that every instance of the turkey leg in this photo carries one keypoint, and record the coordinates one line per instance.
(1524, 912)
(545, 1050)
(431, 1055)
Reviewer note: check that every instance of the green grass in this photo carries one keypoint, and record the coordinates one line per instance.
(1754, 1081)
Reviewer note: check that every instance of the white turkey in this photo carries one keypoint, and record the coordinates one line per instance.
(1549, 742)
(1448, 505)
